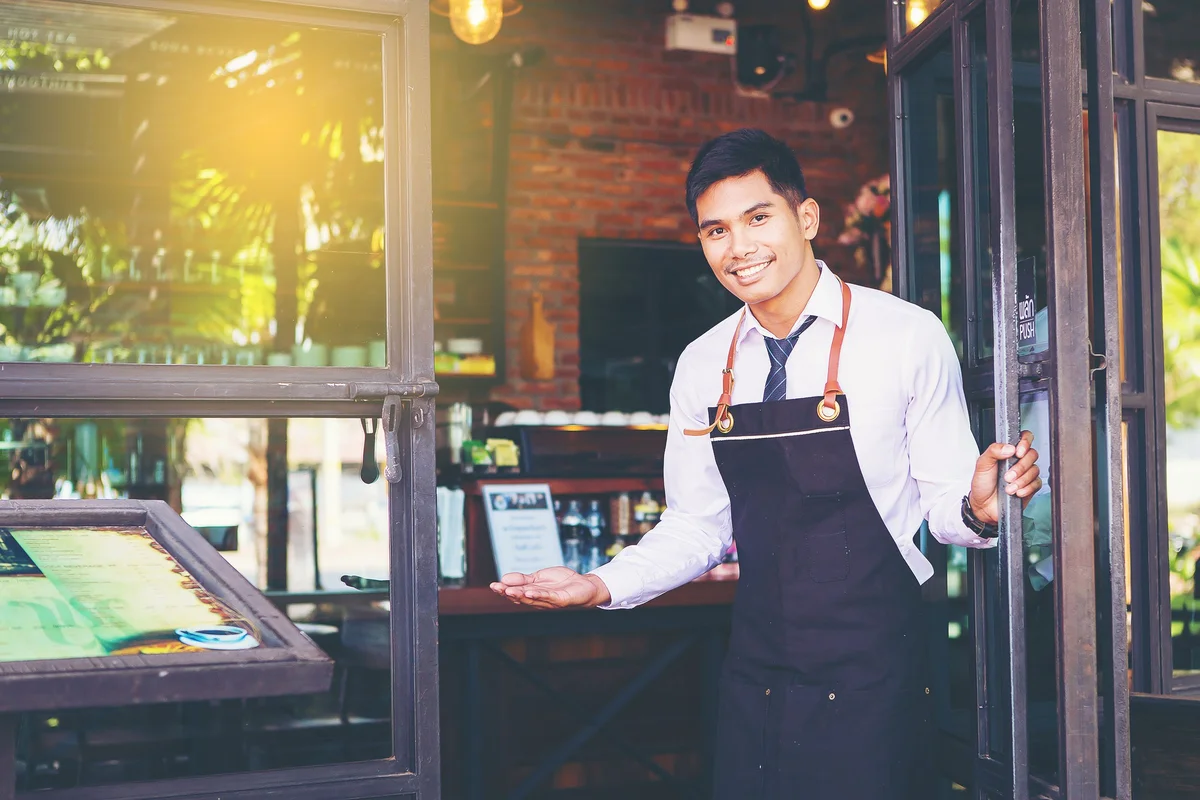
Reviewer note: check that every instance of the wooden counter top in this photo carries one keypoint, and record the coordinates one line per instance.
(714, 589)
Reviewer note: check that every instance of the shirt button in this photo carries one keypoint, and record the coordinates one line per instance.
(768, 692)
(926, 690)
(832, 695)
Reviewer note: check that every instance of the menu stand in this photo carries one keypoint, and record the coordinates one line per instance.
(162, 617)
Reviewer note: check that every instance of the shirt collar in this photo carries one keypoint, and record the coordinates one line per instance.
(825, 302)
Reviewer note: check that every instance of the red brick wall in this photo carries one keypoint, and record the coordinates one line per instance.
(604, 129)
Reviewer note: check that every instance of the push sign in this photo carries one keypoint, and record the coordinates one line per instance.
(1027, 337)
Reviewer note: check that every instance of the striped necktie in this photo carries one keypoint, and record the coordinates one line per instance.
(779, 350)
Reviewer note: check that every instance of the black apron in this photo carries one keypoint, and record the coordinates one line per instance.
(824, 693)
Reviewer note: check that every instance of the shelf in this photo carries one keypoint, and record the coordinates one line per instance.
(442, 377)
(715, 589)
(471, 484)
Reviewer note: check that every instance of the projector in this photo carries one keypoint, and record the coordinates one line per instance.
(703, 34)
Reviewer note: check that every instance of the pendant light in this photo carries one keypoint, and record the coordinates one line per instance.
(475, 21)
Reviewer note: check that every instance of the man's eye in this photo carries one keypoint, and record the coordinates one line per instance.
(759, 217)
(714, 232)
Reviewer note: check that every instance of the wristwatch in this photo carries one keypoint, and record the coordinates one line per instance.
(980, 528)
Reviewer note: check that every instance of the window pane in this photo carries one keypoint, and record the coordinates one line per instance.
(1039, 529)
(187, 189)
(262, 492)
(984, 335)
(1179, 204)
(1169, 34)
(938, 282)
(1030, 189)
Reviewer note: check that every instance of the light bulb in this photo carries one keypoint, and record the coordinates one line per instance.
(917, 12)
(476, 21)
(818, 5)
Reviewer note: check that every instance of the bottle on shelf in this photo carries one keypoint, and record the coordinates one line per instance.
(573, 557)
(646, 513)
(596, 528)
(572, 526)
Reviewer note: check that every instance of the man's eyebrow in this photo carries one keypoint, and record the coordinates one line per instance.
(708, 223)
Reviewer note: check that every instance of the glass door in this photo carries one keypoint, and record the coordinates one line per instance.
(991, 177)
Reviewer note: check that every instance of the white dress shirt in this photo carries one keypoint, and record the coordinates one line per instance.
(909, 426)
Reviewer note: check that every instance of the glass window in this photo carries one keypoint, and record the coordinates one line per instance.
(938, 282)
(221, 475)
(1169, 39)
(185, 189)
(1029, 191)
(1179, 252)
(1038, 529)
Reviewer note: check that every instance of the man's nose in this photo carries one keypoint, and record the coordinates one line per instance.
(742, 244)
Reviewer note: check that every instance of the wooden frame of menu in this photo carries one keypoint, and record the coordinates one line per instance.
(285, 662)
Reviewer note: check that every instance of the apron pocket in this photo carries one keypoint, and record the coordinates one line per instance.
(828, 557)
(850, 745)
(742, 711)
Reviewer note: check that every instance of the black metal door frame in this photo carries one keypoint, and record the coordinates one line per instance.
(402, 393)
(1083, 432)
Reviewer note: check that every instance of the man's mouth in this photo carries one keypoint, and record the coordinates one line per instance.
(750, 270)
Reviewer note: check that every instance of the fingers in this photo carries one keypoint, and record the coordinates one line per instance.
(1024, 483)
(993, 455)
(511, 579)
(999, 451)
(1030, 491)
(1023, 465)
(1025, 444)
(536, 597)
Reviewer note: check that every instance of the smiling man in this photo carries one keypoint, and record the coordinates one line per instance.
(819, 426)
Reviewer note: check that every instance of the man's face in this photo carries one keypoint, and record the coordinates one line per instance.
(755, 240)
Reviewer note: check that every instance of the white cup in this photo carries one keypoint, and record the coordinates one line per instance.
(556, 418)
(528, 417)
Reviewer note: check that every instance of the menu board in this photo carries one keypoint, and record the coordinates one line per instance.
(104, 591)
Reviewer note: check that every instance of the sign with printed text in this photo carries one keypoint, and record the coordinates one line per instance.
(1027, 306)
(523, 528)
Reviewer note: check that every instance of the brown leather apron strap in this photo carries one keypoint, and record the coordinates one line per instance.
(828, 409)
(723, 420)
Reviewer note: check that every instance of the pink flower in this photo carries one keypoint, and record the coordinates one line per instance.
(883, 202)
(865, 202)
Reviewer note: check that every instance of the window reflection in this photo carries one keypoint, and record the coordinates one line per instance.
(1169, 33)
(933, 193)
(1038, 532)
(1028, 184)
(1179, 204)
(178, 189)
(215, 473)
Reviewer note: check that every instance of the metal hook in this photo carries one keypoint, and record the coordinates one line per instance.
(1100, 359)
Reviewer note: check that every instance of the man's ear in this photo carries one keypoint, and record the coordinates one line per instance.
(809, 214)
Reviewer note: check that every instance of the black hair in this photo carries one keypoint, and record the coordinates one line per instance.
(739, 153)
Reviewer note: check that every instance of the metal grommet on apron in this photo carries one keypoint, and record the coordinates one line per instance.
(821, 698)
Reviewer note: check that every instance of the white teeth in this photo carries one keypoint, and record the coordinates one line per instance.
(748, 271)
